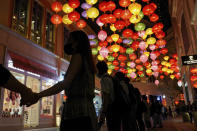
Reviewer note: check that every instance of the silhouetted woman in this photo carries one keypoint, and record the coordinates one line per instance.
(79, 112)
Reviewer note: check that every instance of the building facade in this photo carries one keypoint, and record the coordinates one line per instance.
(184, 21)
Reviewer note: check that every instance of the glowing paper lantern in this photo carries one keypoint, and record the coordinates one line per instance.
(172, 77)
(74, 3)
(104, 52)
(84, 14)
(124, 3)
(66, 20)
(126, 14)
(179, 83)
(117, 13)
(133, 75)
(132, 64)
(153, 56)
(94, 51)
(115, 47)
(74, 16)
(141, 33)
(156, 74)
(91, 2)
(149, 31)
(148, 10)
(135, 8)
(103, 6)
(135, 19)
(151, 40)
(193, 70)
(120, 24)
(112, 27)
(154, 17)
(157, 82)
(102, 35)
(129, 50)
(85, 6)
(140, 26)
(56, 19)
(166, 58)
(81, 24)
(110, 58)
(56, 6)
(127, 33)
(115, 37)
(193, 78)
(92, 12)
(152, 47)
(111, 6)
(67, 9)
(143, 58)
(142, 45)
(99, 23)
(99, 57)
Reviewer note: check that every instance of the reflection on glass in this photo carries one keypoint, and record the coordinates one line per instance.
(36, 23)
(47, 102)
(11, 103)
(19, 18)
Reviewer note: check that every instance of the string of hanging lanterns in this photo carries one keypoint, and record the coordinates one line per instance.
(130, 47)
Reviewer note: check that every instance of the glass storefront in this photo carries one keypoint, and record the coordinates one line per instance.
(31, 114)
(11, 103)
(47, 102)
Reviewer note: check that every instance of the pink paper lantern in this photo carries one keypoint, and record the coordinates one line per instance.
(142, 45)
(133, 75)
(153, 56)
(104, 52)
(179, 83)
(157, 82)
(132, 64)
(143, 58)
(99, 23)
(141, 33)
(154, 63)
(102, 35)
(154, 67)
(152, 47)
(156, 74)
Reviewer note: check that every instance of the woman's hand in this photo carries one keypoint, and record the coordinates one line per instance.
(29, 98)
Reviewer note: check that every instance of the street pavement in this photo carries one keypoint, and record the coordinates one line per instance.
(168, 125)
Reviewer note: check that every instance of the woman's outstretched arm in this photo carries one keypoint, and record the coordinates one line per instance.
(73, 69)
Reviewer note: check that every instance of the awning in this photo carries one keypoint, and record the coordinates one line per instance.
(31, 66)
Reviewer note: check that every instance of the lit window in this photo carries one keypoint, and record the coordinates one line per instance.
(36, 23)
(19, 18)
(50, 34)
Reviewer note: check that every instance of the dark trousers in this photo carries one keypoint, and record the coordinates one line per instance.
(113, 121)
(78, 124)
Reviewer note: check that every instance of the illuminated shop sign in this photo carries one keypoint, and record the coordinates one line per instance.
(189, 60)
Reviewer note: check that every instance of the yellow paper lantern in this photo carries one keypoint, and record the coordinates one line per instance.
(66, 20)
(133, 0)
(109, 63)
(135, 19)
(91, 2)
(172, 77)
(109, 71)
(147, 54)
(148, 71)
(67, 9)
(135, 8)
(112, 27)
(128, 63)
(115, 47)
(166, 58)
(92, 12)
(169, 71)
(133, 70)
(168, 64)
(98, 48)
(151, 40)
(99, 57)
(144, 37)
(129, 71)
(115, 37)
(163, 63)
(149, 31)
(164, 69)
